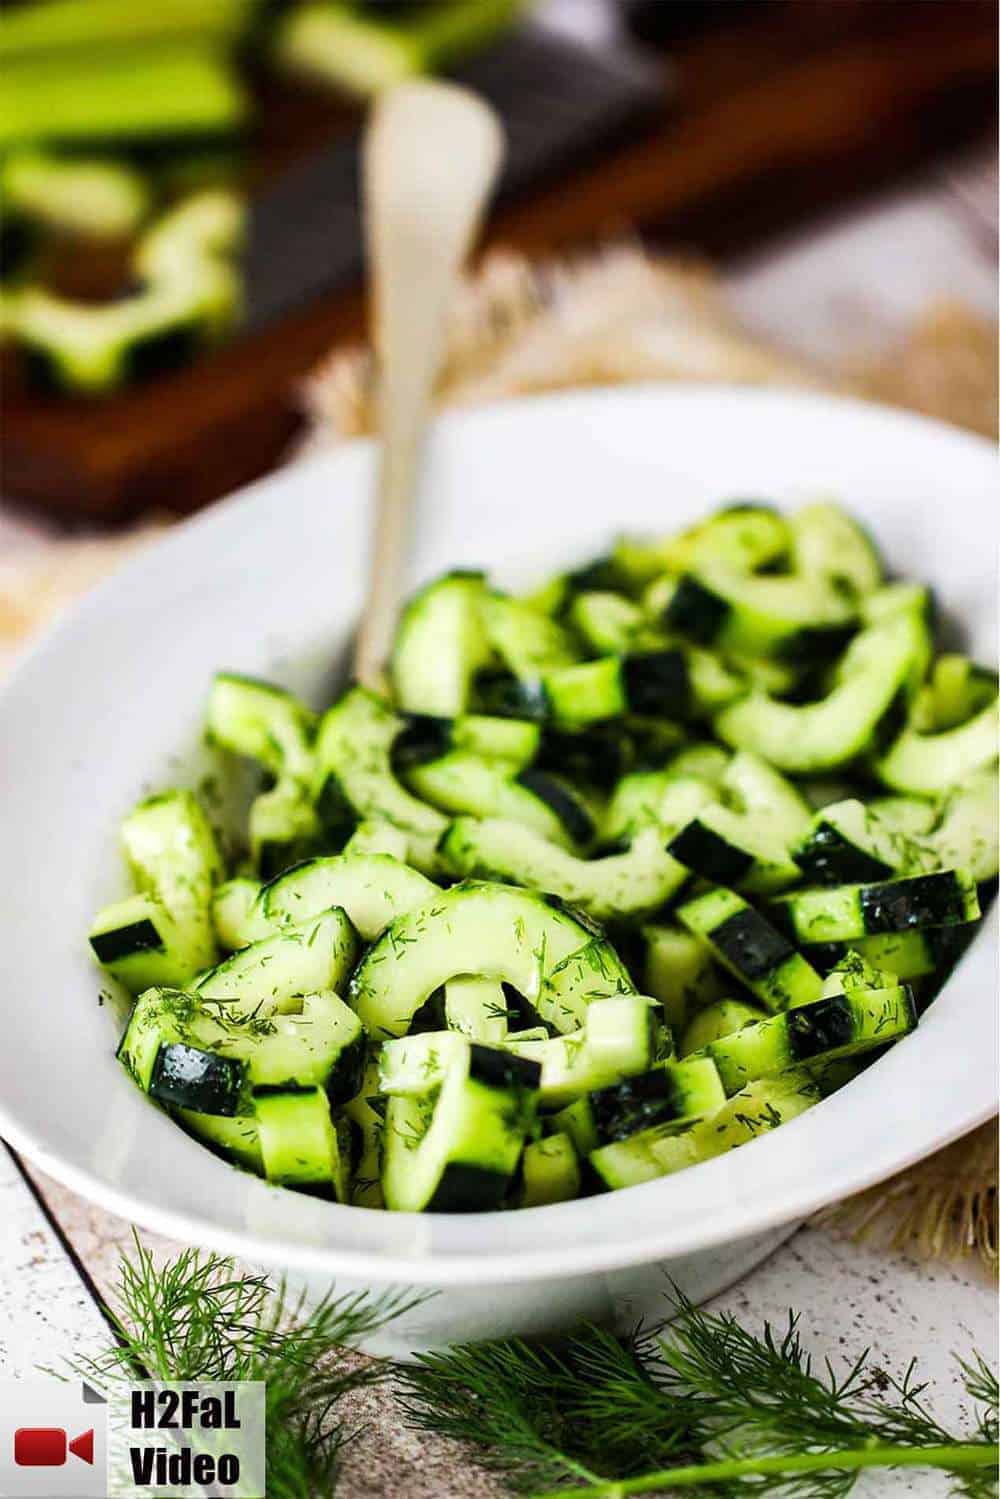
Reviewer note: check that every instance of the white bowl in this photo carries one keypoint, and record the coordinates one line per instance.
(108, 706)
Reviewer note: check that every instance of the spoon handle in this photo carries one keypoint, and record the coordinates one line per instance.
(431, 155)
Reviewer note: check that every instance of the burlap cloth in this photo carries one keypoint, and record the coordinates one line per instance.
(522, 327)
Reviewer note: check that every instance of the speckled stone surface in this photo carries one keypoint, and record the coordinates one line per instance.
(849, 1298)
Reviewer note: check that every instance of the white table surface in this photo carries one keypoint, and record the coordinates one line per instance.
(847, 286)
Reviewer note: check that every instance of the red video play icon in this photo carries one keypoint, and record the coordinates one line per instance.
(47, 1446)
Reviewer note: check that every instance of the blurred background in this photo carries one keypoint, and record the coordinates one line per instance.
(800, 189)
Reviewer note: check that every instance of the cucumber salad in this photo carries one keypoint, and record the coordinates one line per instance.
(613, 878)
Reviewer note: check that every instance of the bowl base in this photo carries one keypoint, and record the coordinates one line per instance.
(618, 1298)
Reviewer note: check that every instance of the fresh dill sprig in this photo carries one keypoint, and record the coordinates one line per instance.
(200, 1317)
(699, 1403)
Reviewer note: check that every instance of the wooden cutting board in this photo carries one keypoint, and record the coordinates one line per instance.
(784, 112)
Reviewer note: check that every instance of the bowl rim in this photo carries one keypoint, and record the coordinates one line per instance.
(791, 1199)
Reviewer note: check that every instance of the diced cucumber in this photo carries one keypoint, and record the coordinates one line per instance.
(754, 1111)
(528, 642)
(607, 622)
(373, 889)
(848, 842)
(745, 535)
(654, 798)
(845, 912)
(755, 789)
(455, 1151)
(733, 849)
(354, 777)
(677, 970)
(819, 736)
(515, 936)
(828, 543)
(842, 1025)
(440, 644)
(232, 904)
(761, 957)
(550, 1171)
(283, 828)
(272, 976)
(673, 1094)
(299, 1143)
(462, 782)
(629, 884)
(233, 1138)
(789, 617)
(927, 764)
(718, 1020)
(476, 1008)
(140, 944)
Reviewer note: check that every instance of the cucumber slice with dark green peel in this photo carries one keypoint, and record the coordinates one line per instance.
(854, 971)
(526, 641)
(462, 782)
(673, 682)
(630, 884)
(809, 737)
(753, 788)
(440, 644)
(965, 835)
(749, 1114)
(746, 536)
(261, 722)
(677, 969)
(791, 617)
(192, 1054)
(456, 1150)
(272, 976)
(354, 779)
(300, 1145)
(173, 854)
(283, 828)
(373, 889)
(759, 955)
(849, 843)
(843, 913)
(727, 848)
(674, 1094)
(550, 1171)
(928, 764)
(140, 944)
(715, 1021)
(232, 903)
(654, 799)
(620, 1036)
(529, 941)
(577, 1121)
(599, 754)
(827, 543)
(906, 955)
(607, 622)
(842, 1025)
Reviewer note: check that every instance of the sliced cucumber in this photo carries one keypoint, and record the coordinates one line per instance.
(790, 617)
(300, 1145)
(654, 799)
(607, 622)
(455, 1150)
(845, 912)
(756, 790)
(927, 764)
(550, 1171)
(630, 884)
(462, 782)
(732, 849)
(758, 955)
(375, 836)
(234, 1138)
(232, 904)
(354, 779)
(677, 969)
(842, 1025)
(283, 827)
(440, 645)
(966, 835)
(140, 944)
(477, 1008)
(718, 1020)
(754, 1111)
(828, 543)
(745, 535)
(373, 889)
(810, 737)
(673, 1094)
(849, 842)
(272, 976)
(527, 940)
(261, 722)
